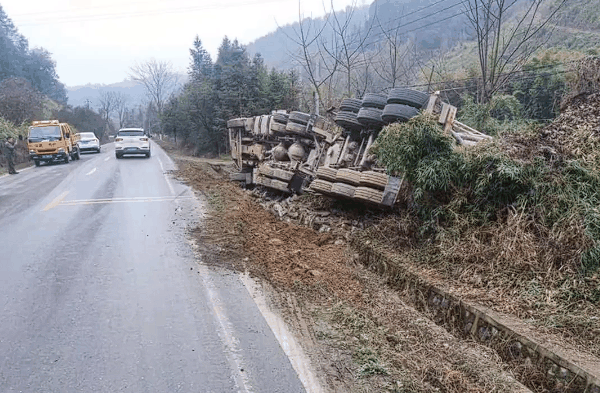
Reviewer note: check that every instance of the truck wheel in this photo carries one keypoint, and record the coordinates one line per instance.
(67, 159)
(416, 99)
(36, 162)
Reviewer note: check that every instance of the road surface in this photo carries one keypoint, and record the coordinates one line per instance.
(101, 292)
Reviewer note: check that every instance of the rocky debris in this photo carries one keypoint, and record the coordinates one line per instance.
(294, 209)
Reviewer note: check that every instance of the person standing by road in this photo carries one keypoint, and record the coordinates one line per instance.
(9, 148)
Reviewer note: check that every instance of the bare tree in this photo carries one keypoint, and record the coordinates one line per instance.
(309, 57)
(121, 107)
(158, 79)
(506, 38)
(107, 102)
(19, 101)
(394, 59)
(347, 44)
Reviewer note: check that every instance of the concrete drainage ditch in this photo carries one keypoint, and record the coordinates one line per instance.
(557, 367)
(561, 370)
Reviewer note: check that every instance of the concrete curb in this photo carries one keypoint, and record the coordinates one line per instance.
(503, 333)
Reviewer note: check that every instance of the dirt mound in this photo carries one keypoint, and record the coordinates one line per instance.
(285, 253)
(575, 134)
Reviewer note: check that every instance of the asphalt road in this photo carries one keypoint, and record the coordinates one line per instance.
(101, 292)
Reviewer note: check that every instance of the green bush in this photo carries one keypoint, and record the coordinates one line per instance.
(8, 129)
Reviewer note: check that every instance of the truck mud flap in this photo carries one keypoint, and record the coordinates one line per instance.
(391, 191)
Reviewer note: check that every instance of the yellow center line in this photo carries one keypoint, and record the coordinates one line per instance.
(56, 201)
(120, 200)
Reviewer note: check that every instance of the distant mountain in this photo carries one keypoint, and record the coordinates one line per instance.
(413, 19)
(89, 94)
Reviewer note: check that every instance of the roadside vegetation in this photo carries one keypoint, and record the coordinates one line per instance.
(515, 221)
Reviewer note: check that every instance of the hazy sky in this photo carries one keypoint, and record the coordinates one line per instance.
(96, 41)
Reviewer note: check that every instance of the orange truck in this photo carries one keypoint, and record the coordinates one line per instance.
(52, 141)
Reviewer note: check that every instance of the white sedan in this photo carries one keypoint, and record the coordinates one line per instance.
(88, 142)
(132, 141)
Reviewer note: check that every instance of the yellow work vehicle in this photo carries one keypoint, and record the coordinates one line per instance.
(52, 141)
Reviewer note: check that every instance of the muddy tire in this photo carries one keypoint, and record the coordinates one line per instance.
(348, 176)
(416, 99)
(370, 117)
(277, 127)
(299, 117)
(263, 181)
(366, 194)
(327, 173)
(374, 100)
(343, 190)
(347, 120)
(296, 128)
(265, 170)
(281, 118)
(279, 185)
(398, 112)
(373, 179)
(237, 123)
(351, 105)
(282, 174)
(321, 186)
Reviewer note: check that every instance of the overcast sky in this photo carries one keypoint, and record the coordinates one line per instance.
(96, 41)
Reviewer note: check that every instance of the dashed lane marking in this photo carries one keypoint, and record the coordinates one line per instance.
(90, 172)
(56, 201)
(106, 159)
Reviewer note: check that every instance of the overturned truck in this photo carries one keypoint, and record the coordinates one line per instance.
(299, 152)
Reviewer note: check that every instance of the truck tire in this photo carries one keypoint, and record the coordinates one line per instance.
(416, 99)
(366, 194)
(327, 173)
(347, 120)
(281, 118)
(299, 117)
(373, 179)
(398, 112)
(374, 100)
(67, 159)
(343, 190)
(277, 127)
(348, 176)
(237, 123)
(321, 186)
(350, 105)
(36, 162)
(296, 128)
(370, 117)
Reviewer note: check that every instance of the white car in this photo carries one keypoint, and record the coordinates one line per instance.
(132, 141)
(88, 141)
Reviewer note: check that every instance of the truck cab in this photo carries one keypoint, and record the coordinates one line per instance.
(52, 141)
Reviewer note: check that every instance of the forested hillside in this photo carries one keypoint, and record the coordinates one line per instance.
(35, 65)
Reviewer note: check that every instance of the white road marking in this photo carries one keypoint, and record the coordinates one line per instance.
(162, 168)
(90, 172)
(226, 333)
(292, 350)
(106, 159)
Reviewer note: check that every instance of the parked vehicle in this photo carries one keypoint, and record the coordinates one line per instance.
(88, 142)
(52, 141)
(132, 141)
